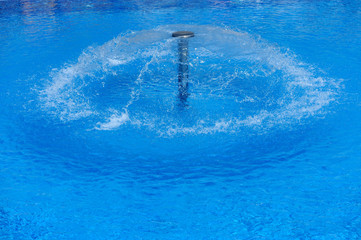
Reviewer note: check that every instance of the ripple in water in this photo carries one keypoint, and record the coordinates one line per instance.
(236, 82)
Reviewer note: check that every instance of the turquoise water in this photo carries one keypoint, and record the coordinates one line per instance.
(96, 144)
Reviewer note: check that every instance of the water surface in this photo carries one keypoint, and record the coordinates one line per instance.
(96, 145)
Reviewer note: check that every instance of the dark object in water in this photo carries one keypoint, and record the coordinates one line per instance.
(183, 34)
(183, 64)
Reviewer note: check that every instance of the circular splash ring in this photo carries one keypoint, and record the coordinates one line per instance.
(236, 82)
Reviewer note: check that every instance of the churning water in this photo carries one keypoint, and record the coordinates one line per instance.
(237, 82)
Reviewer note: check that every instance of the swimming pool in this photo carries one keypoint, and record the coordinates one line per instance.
(96, 142)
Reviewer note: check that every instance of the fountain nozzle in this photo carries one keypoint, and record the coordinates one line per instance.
(183, 63)
(183, 34)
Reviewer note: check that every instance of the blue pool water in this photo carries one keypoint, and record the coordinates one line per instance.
(96, 144)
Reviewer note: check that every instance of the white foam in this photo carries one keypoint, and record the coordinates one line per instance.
(114, 122)
(116, 62)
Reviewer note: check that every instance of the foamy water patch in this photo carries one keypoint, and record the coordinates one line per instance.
(114, 122)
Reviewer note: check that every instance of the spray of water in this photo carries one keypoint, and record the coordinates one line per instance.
(236, 81)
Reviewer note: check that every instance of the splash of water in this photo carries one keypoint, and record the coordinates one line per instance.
(237, 82)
